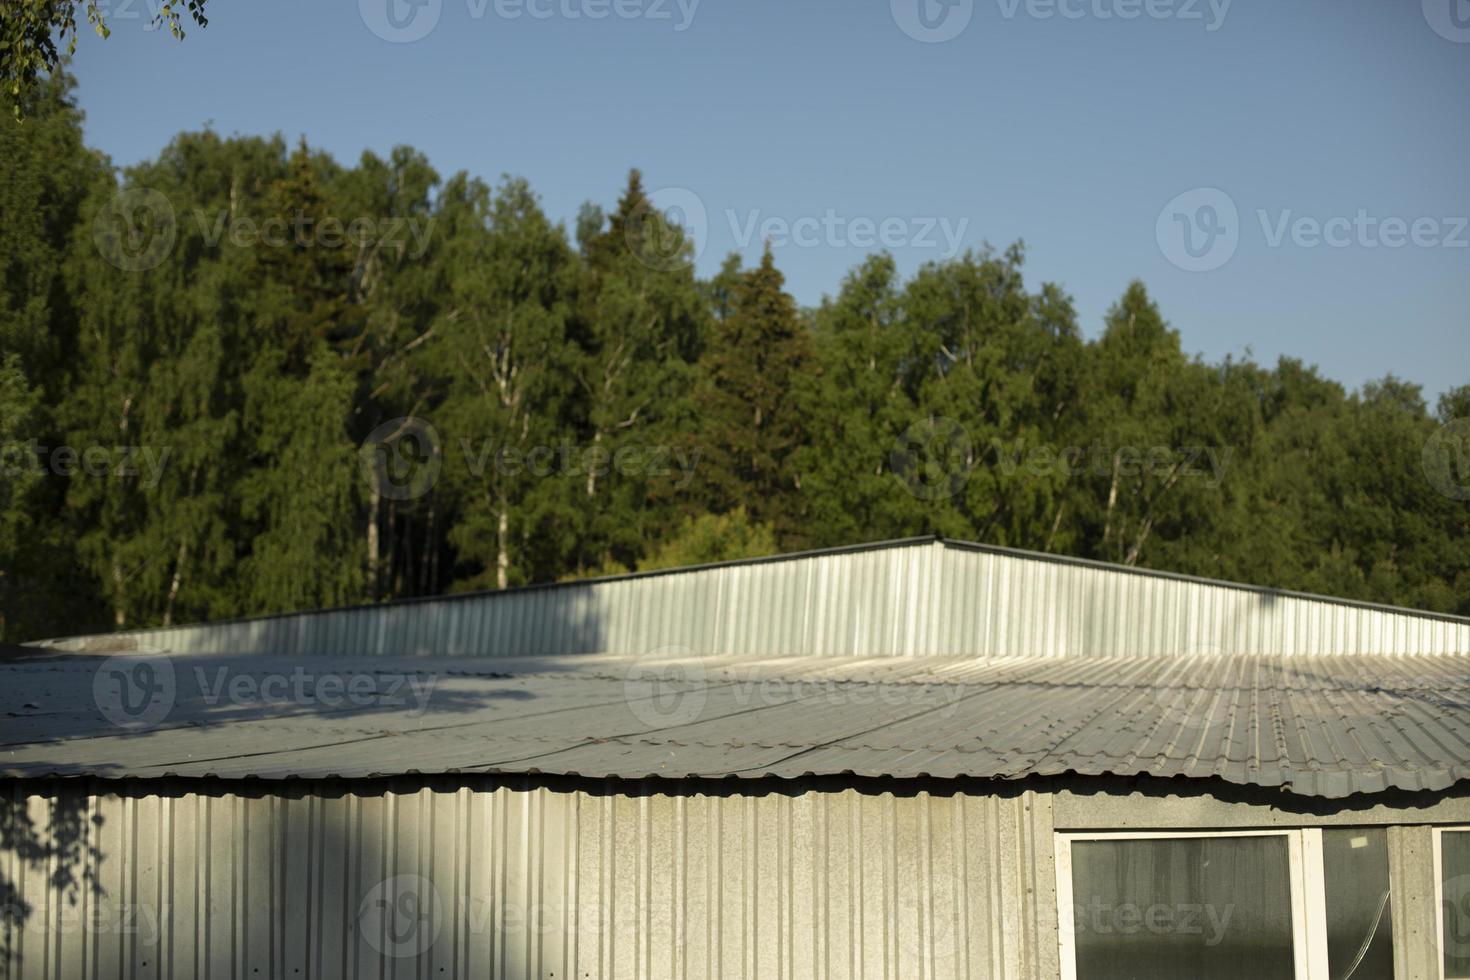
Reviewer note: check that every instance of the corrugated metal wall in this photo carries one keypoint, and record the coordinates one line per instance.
(517, 882)
(1415, 911)
(922, 598)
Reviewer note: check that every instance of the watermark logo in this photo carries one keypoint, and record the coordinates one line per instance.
(1362, 230)
(834, 230)
(932, 21)
(136, 230)
(1450, 19)
(665, 688)
(1211, 13)
(1204, 923)
(1446, 459)
(1199, 230)
(668, 229)
(1169, 463)
(680, 13)
(135, 692)
(401, 916)
(933, 458)
(930, 930)
(1454, 899)
(401, 235)
(146, 464)
(400, 21)
(102, 916)
(328, 690)
(405, 21)
(579, 462)
(401, 458)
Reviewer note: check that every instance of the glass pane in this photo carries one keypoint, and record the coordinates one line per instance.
(1359, 923)
(1454, 876)
(1206, 908)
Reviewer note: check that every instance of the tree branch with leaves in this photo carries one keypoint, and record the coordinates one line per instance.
(36, 35)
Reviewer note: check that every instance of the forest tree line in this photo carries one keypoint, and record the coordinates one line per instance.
(242, 378)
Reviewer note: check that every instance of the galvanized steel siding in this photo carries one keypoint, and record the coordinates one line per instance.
(1415, 911)
(531, 882)
(924, 598)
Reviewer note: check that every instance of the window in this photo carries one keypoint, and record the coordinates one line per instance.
(1280, 905)
(1452, 858)
(1359, 920)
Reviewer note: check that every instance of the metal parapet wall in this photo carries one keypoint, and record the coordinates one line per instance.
(908, 598)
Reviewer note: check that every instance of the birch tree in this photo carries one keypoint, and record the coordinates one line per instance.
(502, 366)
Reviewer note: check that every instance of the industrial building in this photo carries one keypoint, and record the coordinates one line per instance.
(916, 759)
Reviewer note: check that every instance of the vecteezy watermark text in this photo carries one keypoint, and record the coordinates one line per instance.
(145, 464)
(1207, 463)
(410, 235)
(102, 915)
(935, 21)
(403, 459)
(138, 229)
(679, 13)
(304, 688)
(669, 687)
(1211, 13)
(681, 232)
(404, 915)
(934, 458)
(1362, 230)
(833, 230)
(137, 692)
(405, 21)
(1200, 230)
(1208, 921)
(569, 460)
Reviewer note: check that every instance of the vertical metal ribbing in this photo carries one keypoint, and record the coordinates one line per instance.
(923, 598)
(1415, 912)
(790, 881)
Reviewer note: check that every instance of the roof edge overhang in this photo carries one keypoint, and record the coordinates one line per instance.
(1086, 800)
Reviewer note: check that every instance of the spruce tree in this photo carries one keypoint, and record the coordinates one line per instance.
(639, 324)
(750, 425)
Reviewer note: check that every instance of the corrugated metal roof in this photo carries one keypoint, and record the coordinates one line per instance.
(917, 597)
(1317, 726)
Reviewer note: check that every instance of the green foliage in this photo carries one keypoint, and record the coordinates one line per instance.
(711, 538)
(48, 175)
(228, 332)
(1144, 392)
(638, 326)
(301, 495)
(750, 422)
(306, 272)
(500, 355)
(699, 540)
(30, 30)
(20, 483)
(854, 398)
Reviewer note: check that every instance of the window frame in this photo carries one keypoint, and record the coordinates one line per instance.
(1305, 875)
(1436, 833)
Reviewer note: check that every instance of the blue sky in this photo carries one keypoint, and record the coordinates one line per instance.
(1102, 132)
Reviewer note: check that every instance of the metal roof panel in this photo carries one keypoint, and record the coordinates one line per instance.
(1326, 726)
